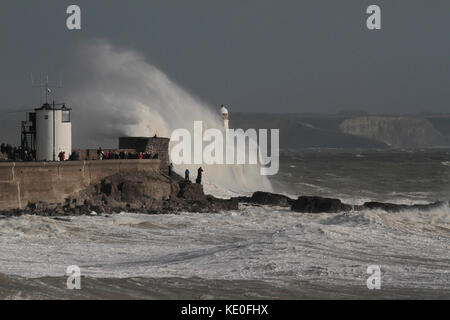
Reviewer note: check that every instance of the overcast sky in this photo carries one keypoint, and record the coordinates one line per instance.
(267, 56)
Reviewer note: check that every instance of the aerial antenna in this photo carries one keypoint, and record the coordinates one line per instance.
(46, 86)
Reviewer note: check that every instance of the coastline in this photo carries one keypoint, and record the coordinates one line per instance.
(141, 192)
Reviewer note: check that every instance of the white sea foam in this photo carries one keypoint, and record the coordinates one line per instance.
(252, 243)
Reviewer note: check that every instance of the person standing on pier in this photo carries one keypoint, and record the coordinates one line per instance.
(170, 169)
(199, 176)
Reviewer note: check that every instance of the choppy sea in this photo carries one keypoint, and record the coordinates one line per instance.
(255, 252)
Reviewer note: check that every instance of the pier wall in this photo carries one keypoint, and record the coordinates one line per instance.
(153, 145)
(24, 182)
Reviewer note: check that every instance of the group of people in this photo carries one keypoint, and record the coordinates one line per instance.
(187, 173)
(116, 155)
(17, 153)
(21, 154)
(6, 148)
(62, 156)
(25, 155)
(199, 175)
(75, 155)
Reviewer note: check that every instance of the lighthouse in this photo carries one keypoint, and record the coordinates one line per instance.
(224, 113)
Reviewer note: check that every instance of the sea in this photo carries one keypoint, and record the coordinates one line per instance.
(256, 252)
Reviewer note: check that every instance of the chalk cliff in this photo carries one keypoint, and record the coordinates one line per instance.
(403, 132)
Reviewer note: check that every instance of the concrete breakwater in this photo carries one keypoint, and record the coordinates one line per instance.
(24, 182)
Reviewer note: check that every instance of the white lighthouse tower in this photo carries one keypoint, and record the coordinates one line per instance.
(53, 130)
(224, 113)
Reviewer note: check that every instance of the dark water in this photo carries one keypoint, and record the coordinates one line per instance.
(14, 287)
(402, 176)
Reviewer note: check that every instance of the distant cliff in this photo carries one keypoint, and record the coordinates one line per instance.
(304, 131)
(403, 132)
(348, 130)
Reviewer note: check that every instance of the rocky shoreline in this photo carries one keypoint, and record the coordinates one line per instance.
(134, 193)
(314, 204)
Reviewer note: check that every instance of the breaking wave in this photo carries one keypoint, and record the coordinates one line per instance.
(122, 94)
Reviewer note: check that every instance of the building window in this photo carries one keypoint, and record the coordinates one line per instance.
(45, 117)
(65, 116)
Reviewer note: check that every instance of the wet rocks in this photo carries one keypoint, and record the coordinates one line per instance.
(108, 188)
(267, 198)
(191, 191)
(392, 207)
(139, 193)
(319, 204)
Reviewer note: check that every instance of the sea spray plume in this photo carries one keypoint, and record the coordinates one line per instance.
(121, 94)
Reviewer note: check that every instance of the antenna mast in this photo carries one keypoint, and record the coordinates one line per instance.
(45, 86)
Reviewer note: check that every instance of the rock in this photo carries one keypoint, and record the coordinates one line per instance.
(131, 191)
(40, 205)
(62, 219)
(392, 207)
(97, 208)
(383, 206)
(319, 204)
(223, 204)
(108, 187)
(31, 205)
(191, 191)
(267, 198)
(58, 211)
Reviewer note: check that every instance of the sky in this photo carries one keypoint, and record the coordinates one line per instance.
(253, 56)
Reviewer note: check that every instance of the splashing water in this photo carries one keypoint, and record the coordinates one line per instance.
(123, 95)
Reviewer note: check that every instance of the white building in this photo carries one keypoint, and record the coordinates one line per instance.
(224, 113)
(53, 132)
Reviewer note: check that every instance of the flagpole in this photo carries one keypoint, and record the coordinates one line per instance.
(46, 90)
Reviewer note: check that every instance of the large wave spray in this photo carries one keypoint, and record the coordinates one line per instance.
(122, 94)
